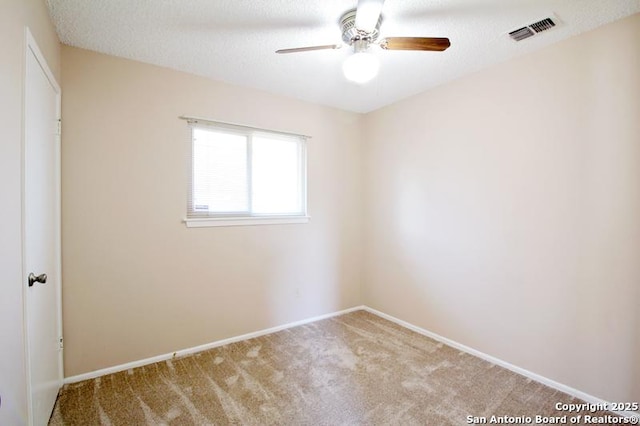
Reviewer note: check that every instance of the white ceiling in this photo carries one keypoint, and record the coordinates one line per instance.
(235, 40)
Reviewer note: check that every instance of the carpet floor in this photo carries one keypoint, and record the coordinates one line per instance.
(353, 369)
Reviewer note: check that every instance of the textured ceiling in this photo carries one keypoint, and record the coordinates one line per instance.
(234, 40)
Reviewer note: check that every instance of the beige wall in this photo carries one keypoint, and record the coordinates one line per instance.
(14, 16)
(504, 211)
(137, 282)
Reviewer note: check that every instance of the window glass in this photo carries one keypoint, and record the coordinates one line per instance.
(242, 172)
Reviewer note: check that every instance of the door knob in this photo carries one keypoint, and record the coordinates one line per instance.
(42, 278)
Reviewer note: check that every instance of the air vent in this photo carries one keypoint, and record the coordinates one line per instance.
(543, 25)
(521, 33)
(532, 29)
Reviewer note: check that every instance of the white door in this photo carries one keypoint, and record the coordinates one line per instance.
(41, 235)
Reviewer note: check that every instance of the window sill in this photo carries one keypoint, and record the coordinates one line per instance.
(244, 221)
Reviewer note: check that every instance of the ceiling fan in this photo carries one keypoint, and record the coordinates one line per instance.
(360, 29)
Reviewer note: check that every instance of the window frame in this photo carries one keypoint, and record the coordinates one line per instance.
(196, 219)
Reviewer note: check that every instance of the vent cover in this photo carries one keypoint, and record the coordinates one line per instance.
(521, 33)
(532, 29)
(543, 25)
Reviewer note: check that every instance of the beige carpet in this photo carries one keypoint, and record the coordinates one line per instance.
(353, 369)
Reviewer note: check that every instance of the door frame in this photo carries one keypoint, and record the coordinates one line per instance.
(31, 47)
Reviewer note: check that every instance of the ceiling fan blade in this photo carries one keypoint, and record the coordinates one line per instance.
(437, 44)
(367, 14)
(309, 49)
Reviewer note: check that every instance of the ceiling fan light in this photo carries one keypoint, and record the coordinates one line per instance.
(361, 67)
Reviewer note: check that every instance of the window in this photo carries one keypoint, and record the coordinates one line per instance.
(245, 176)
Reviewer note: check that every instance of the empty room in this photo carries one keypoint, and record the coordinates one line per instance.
(418, 212)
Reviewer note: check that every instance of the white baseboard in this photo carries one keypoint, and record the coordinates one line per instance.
(200, 348)
(526, 373)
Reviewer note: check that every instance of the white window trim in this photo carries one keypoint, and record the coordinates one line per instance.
(243, 221)
(212, 221)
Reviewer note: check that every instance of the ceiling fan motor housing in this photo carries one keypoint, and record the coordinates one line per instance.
(351, 34)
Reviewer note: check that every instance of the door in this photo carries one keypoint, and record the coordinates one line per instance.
(41, 212)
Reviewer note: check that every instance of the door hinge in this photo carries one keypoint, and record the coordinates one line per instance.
(59, 127)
